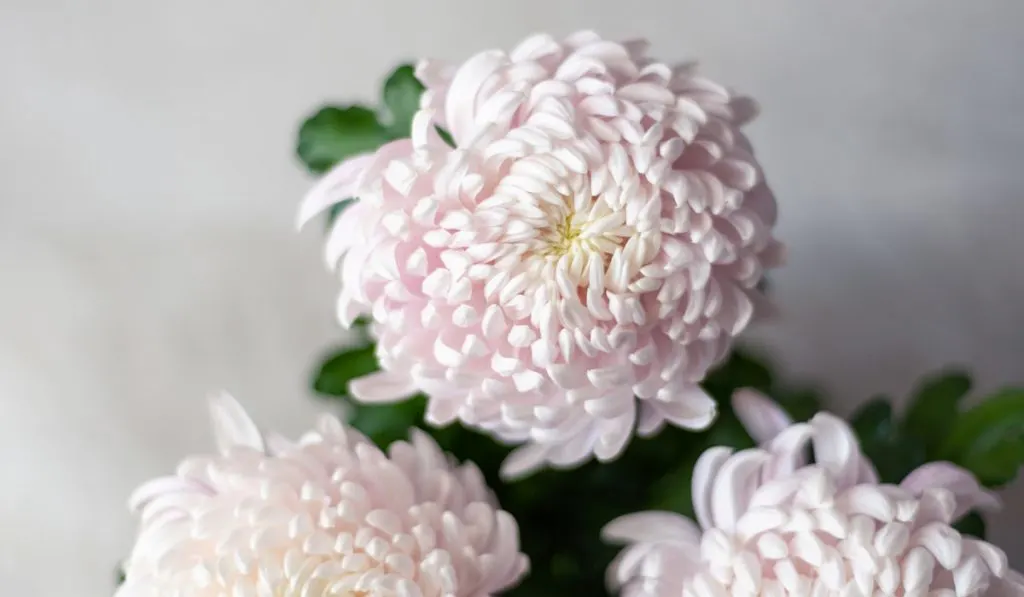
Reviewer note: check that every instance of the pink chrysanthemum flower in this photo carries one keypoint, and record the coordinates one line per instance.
(329, 515)
(773, 524)
(572, 269)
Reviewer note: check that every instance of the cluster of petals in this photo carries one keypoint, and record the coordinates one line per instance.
(328, 515)
(773, 524)
(568, 272)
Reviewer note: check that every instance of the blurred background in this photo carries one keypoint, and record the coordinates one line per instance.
(148, 187)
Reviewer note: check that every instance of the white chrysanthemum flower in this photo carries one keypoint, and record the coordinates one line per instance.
(329, 515)
(596, 238)
(772, 524)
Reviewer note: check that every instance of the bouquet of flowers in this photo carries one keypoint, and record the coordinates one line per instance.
(547, 255)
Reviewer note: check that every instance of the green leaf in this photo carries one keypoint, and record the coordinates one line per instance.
(972, 524)
(988, 440)
(336, 209)
(402, 92)
(897, 458)
(873, 423)
(894, 453)
(445, 136)
(336, 133)
(387, 423)
(342, 367)
(674, 491)
(934, 407)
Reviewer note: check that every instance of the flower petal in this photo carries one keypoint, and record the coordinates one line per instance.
(970, 495)
(341, 182)
(761, 417)
(382, 386)
(652, 526)
(232, 426)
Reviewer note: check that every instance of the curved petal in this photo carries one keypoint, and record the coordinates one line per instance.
(961, 483)
(615, 435)
(232, 426)
(651, 526)
(463, 94)
(789, 450)
(733, 487)
(867, 472)
(836, 448)
(704, 472)
(523, 461)
(696, 409)
(382, 386)
(761, 417)
(340, 183)
(155, 489)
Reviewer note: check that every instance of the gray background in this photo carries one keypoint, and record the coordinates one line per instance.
(147, 192)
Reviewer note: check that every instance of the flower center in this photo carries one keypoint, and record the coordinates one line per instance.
(584, 235)
(562, 237)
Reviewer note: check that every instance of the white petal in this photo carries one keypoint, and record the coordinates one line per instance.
(761, 417)
(704, 474)
(340, 183)
(382, 386)
(733, 487)
(651, 526)
(232, 426)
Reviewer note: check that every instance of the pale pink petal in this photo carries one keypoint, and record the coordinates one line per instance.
(309, 519)
(773, 522)
(382, 386)
(591, 246)
(152, 490)
(523, 460)
(867, 473)
(465, 90)
(342, 182)
(789, 451)
(650, 527)
(232, 426)
(761, 417)
(836, 448)
(277, 443)
(705, 473)
(970, 495)
(734, 486)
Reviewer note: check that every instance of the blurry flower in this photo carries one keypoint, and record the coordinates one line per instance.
(597, 237)
(328, 515)
(771, 523)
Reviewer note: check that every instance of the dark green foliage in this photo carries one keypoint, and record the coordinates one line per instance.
(336, 133)
(561, 512)
(934, 407)
(334, 374)
(972, 524)
(988, 440)
(894, 452)
(446, 137)
(401, 99)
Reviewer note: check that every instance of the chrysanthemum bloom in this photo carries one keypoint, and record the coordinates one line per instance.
(329, 515)
(770, 523)
(573, 268)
